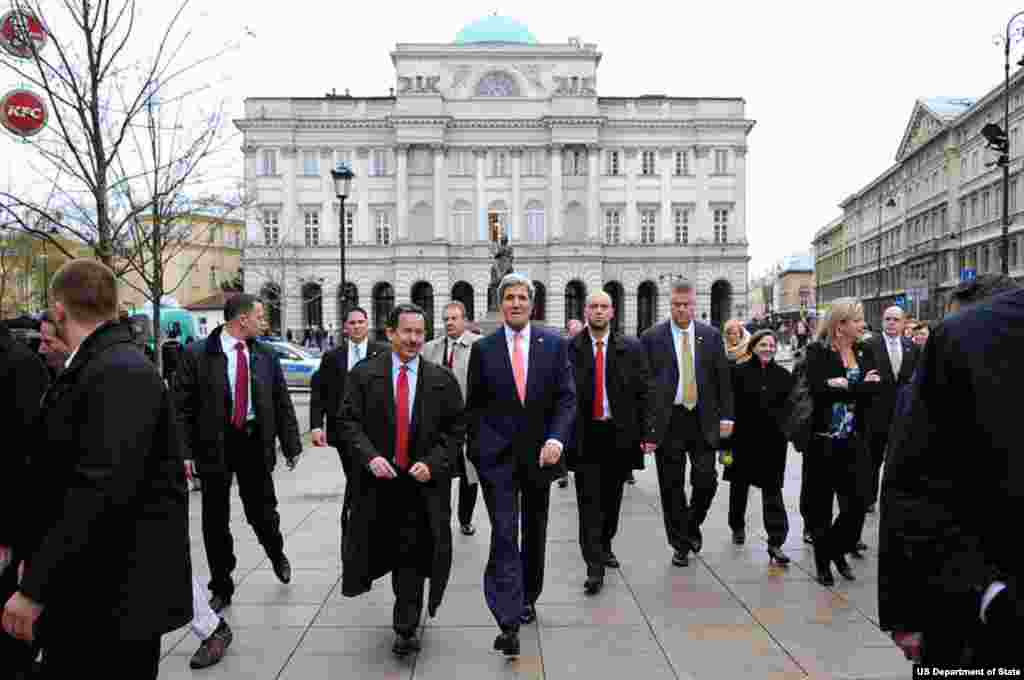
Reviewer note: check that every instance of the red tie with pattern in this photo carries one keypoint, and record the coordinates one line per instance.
(451, 358)
(402, 419)
(598, 410)
(241, 387)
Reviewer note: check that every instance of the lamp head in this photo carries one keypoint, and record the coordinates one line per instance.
(342, 176)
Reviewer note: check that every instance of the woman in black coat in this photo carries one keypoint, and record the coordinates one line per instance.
(842, 378)
(760, 387)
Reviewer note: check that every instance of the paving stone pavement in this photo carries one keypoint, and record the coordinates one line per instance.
(728, 615)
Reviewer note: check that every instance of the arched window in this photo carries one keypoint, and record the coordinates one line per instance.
(463, 292)
(575, 295)
(422, 294)
(497, 84)
(535, 222)
(646, 306)
(383, 303)
(540, 301)
(721, 303)
(614, 290)
(312, 305)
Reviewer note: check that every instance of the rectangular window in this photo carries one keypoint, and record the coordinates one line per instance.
(311, 218)
(974, 209)
(613, 226)
(648, 226)
(311, 163)
(271, 227)
(383, 222)
(984, 259)
(682, 225)
(647, 167)
(721, 162)
(682, 163)
(578, 163)
(535, 224)
(614, 163)
(350, 226)
(984, 206)
(499, 164)
(721, 225)
(268, 163)
(1013, 196)
(380, 163)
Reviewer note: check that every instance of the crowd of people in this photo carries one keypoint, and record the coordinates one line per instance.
(507, 414)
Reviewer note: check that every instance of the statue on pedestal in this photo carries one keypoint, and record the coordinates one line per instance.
(503, 265)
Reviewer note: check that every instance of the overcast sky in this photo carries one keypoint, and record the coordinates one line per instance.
(830, 84)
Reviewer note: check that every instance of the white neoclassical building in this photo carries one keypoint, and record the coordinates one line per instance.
(497, 133)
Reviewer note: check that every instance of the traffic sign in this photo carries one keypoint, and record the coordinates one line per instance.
(23, 113)
(901, 300)
(968, 274)
(22, 34)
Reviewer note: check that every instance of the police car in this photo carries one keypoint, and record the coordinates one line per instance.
(298, 363)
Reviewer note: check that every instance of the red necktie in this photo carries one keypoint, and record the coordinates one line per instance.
(402, 419)
(598, 410)
(451, 358)
(241, 387)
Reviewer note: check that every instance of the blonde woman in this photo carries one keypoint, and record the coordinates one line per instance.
(736, 339)
(842, 378)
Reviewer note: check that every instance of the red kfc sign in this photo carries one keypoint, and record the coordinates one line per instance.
(22, 34)
(24, 113)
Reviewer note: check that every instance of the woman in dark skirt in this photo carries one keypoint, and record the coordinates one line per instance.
(760, 387)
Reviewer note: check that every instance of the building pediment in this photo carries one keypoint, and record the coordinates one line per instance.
(930, 117)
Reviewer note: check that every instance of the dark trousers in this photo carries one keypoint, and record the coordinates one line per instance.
(514, 576)
(877, 444)
(413, 551)
(346, 502)
(682, 522)
(79, 654)
(805, 511)
(969, 643)
(600, 476)
(467, 500)
(835, 467)
(243, 458)
(773, 508)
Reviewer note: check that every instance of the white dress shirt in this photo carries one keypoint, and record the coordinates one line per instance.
(352, 354)
(450, 346)
(229, 344)
(593, 342)
(894, 345)
(677, 339)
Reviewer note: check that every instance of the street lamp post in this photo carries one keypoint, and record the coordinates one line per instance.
(1004, 158)
(888, 203)
(342, 176)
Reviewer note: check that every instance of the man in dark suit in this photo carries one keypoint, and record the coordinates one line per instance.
(949, 577)
(613, 392)
(327, 388)
(521, 409)
(897, 358)
(105, 543)
(402, 417)
(693, 411)
(234, 403)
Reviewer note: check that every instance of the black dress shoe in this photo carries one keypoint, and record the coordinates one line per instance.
(529, 614)
(213, 648)
(861, 545)
(776, 556)
(219, 602)
(680, 558)
(808, 538)
(739, 537)
(611, 561)
(283, 569)
(507, 643)
(856, 554)
(468, 530)
(563, 482)
(595, 580)
(631, 480)
(871, 509)
(405, 645)
(825, 577)
(843, 567)
(696, 540)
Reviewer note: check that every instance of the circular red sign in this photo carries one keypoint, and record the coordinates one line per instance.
(22, 34)
(24, 113)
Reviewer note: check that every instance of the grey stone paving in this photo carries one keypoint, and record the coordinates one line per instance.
(728, 615)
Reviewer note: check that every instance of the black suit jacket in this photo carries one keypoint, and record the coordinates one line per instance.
(327, 388)
(883, 405)
(203, 396)
(630, 395)
(106, 541)
(954, 479)
(714, 380)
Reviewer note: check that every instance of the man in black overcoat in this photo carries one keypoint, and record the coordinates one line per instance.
(402, 418)
(105, 546)
(614, 393)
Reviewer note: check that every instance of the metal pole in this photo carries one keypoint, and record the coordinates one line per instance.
(1005, 158)
(342, 237)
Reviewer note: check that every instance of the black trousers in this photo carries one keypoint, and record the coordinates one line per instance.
(971, 644)
(346, 502)
(773, 508)
(600, 477)
(467, 500)
(682, 521)
(805, 511)
(79, 654)
(243, 459)
(835, 468)
(877, 444)
(413, 550)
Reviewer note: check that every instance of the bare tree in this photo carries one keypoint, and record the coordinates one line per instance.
(268, 259)
(99, 89)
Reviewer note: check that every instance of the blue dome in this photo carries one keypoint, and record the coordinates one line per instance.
(495, 29)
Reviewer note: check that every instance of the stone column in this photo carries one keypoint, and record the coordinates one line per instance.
(515, 221)
(667, 234)
(632, 222)
(555, 209)
(440, 195)
(701, 223)
(364, 221)
(481, 199)
(740, 219)
(593, 193)
(402, 191)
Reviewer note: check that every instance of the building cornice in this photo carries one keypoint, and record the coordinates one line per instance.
(246, 124)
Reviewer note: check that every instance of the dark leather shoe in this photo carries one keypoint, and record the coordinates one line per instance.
(861, 545)
(856, 554)
(611, 561)
(631, 480)
(213, 648)
(468, 530)
(871, 509)
(696, 540)
(529, 614)
(563, 482)
(739, 537)
(219, 602)
(595, 580)
(680, 558)
(843, 567)
(507, 643)
(283, 569)
(776, 556)
(405, 645)
(808, 538)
